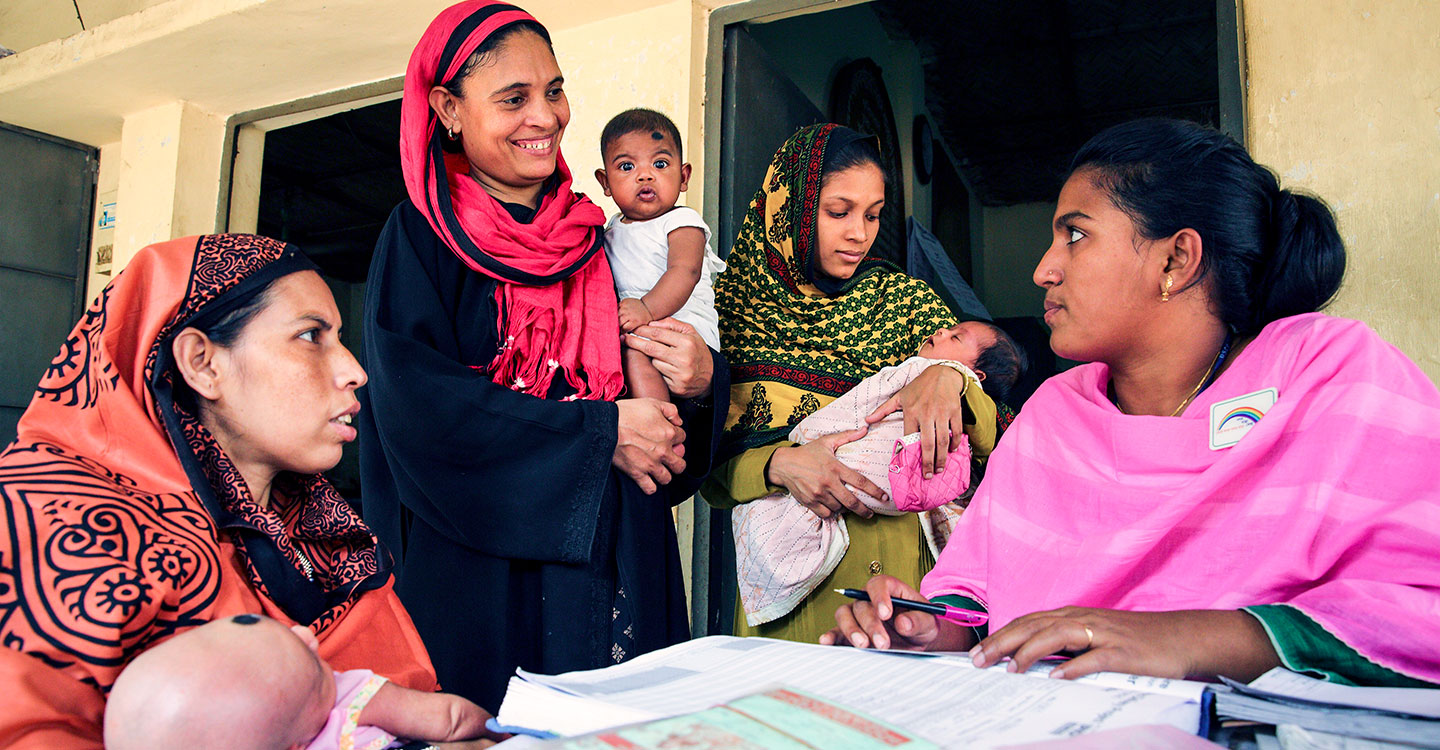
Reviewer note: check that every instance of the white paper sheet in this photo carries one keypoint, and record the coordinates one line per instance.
(948, 704)
(1286, 684)
(1187, 689)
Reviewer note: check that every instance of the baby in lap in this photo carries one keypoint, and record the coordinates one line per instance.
(783, 550)
(250, 682)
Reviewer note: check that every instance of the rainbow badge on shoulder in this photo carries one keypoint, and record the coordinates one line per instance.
(1231, 419)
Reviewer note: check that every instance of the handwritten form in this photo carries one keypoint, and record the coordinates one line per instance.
(941, 698)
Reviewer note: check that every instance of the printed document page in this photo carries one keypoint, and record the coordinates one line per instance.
(952, 705)
(1188, 689)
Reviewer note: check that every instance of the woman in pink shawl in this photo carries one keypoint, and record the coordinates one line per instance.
(1235, 482)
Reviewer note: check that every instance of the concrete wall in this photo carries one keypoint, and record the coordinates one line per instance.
(1344, 101)
(611, 66)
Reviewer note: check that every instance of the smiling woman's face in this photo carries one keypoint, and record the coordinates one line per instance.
(511, 117)
(850, 203)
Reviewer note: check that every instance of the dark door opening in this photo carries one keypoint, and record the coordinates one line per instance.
(327, 186)
(1008, 90)
(45, 208)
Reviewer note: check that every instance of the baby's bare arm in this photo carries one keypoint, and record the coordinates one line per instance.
(433, 717)
(682, 272)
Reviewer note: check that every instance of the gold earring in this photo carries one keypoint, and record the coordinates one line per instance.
(1169, 282)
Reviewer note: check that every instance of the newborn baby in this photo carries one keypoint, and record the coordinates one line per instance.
(783, 550)
(250, 682)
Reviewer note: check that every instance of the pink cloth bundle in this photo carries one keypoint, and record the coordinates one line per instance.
(1330, 503)
(911, 492)
(342, 731)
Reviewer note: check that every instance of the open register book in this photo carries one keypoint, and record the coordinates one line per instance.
(938, 698)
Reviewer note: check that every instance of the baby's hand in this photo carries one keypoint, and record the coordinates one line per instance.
(633, 314)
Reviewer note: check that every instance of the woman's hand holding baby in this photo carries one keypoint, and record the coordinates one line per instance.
(649, 448)
(818, 480)
(679, 354)
(933, 407)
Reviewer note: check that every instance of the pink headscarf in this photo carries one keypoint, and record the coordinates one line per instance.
(1330, 503)
(556, 296)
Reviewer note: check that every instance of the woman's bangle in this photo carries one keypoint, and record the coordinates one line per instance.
(964, 371)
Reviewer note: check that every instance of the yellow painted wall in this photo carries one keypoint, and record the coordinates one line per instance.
(28, 23)
(1344, 101)
(637, 59)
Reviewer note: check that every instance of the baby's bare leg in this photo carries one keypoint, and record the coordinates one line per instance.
(642, 377)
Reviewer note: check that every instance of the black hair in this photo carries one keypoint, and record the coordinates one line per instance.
(640, 120)
(487, 48)
(1003, 363)
(853, 151)
(222, 332)
(1267, 253)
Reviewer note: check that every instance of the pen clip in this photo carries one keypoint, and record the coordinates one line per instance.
(968, 617)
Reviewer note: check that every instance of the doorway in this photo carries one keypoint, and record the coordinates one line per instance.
(327, 185)
(45, 209)
(981, 106)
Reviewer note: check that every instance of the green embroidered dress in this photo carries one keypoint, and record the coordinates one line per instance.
(795, 342)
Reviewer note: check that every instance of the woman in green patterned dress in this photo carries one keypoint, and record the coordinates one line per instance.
(805, 314)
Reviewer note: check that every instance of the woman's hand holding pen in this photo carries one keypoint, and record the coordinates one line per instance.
(879, 624)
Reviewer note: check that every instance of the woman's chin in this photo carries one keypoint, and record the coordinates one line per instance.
(840, 272)
(1071, 350)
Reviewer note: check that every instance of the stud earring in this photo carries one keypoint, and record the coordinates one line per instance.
(1169, 282)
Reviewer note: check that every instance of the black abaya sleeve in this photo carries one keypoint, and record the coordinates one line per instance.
(704, 419)
(504, 473)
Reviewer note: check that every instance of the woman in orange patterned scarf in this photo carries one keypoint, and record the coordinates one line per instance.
(167, 474)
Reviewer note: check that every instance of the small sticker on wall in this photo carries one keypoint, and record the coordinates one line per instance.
(107, 216)
(1230, 420)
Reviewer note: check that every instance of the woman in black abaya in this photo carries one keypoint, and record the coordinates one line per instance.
(529, 509)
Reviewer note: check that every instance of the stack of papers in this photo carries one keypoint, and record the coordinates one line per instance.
(1408, 715)
(778, 719)
(940, 698)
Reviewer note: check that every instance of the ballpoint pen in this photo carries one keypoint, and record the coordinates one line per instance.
(967, 617)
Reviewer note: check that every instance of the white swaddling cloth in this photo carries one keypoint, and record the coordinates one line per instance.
(782, 549)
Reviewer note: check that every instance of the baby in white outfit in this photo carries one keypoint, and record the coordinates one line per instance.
(659, 252)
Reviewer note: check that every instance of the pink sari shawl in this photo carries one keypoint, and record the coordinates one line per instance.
(1330, 504)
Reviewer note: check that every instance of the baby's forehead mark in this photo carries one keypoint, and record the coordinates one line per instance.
(245, 619)
(657, 135)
